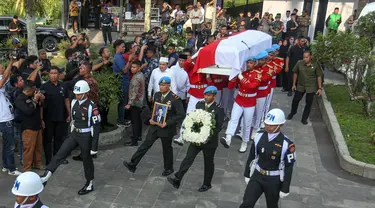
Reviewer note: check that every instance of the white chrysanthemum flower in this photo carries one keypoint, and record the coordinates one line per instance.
(196, 117)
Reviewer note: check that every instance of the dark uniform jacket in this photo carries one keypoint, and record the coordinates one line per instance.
(219, 117)
(29, 112)
(175, 114)
(269, 154)
(85, 116)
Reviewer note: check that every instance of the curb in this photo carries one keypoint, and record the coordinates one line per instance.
(111, 137)
(346, 161)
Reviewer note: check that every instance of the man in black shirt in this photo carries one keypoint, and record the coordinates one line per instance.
(29, 104)
(291, 26)
(31, 64)
(20, 50)
(43, 60)
(295, 54)
(56, 113)
(71, 68)
(14, 26)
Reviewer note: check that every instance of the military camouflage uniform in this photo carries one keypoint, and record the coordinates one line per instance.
(220, 21)
(276, 26)
(304, 22)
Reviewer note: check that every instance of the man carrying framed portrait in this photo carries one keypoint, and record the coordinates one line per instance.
(167, 112)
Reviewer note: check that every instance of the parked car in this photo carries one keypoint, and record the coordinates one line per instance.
(47, 37)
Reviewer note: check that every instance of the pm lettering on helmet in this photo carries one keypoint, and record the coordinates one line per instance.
(270, 117)
(17, 185)
(76, 88)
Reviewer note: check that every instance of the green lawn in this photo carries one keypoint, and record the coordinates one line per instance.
(228, 3)
(356, 127)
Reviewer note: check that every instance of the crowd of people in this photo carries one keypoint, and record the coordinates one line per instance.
(58, 114)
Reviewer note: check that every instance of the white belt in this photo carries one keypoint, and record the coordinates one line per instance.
(262, 87)
(218, 80)
(274, 77)
(269, 82)
(246, 95)
(106, 24)
(267, 172)
(198, 86)
(85, 130)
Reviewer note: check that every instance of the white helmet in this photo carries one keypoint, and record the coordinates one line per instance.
(81, 87)
(275, 117)
(27, 184)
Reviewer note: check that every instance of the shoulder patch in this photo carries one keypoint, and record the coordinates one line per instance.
(175, 96)
(292, 148)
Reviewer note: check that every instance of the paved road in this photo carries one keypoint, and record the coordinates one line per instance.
(317, 182)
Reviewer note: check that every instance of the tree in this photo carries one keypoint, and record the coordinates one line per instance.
(350, 54)
(32, 45)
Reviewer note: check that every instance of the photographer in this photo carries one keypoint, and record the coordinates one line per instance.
(44, 61)
(32, 64)
(104, 64)
(29, 103)
(71, 68)
(81, 44)
(20, 51)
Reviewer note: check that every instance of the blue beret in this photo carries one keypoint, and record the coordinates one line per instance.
(276, 47)
(262, 55)
(15, 41)
(251, 58)
(210, 90)
(165, 80)
(270, 50)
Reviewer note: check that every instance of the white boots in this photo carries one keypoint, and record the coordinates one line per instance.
(243, 147)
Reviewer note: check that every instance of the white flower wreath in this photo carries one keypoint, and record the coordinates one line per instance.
(198, 126)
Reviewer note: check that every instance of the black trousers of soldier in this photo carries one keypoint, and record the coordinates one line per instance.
(107, 34)
(103, 111)
(259, 184)
(136, 120)
(54, 135)
(83, 140)
(297, 98)
(147, 144)
(209, 166)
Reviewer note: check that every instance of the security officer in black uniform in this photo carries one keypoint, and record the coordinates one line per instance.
(208, 149)
(107, 22)
(270, 164)
(165, 131)
(85, 127)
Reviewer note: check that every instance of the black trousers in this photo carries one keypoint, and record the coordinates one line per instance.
(259, 184)
(309, 99)
(147, 144)
(85, 17)
(136, 120)
(83, 140)
(54, 135)
(107, 34)
(209, 166)
(290, 78)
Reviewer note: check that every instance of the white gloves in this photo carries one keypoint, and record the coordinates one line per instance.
(247, 180)
(283, 195)
(240, 76)
(93, 152)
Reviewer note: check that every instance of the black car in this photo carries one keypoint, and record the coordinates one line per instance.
(47, 37)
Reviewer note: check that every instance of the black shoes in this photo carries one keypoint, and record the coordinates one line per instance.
(174, 181)
(290, 116)
(167, 172)
(304, 122)
(290, 93)
(77, 158)
(224, 143)
(131, 144)
(204, 188)
(65, 162)
(86, 189)
(130, 166)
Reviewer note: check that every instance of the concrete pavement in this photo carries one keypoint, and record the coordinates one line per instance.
(318, 181)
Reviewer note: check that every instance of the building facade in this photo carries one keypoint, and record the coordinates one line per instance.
(319, 10)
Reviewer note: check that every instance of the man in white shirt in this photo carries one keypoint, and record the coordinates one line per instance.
(175, 11)
(286, 18)
(196, 16)
(6, 124)
(181, 79)
(202, 11)
(156, 75)
(210, 9)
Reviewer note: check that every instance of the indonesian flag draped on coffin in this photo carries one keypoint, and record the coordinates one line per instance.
(227, 56)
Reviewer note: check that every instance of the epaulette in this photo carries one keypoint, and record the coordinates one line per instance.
(275, 63)
(175, 96)
(269, 66)
(257, 71)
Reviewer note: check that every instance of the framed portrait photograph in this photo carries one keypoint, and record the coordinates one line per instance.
(159, 113)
